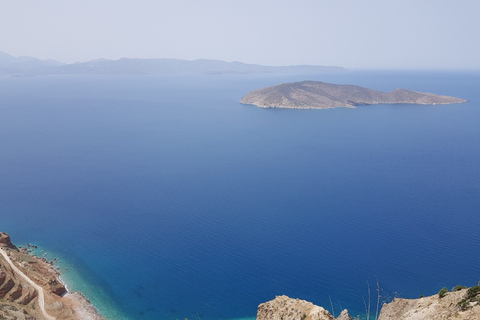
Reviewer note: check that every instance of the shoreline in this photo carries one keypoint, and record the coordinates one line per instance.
(33, 285)
(79, 302)
(83, 307)
(70, 275)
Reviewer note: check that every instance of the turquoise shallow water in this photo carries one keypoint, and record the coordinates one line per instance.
(75, 281)
(167, 199)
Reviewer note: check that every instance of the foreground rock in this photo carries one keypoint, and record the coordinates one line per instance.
(20, 299)
(285, 308)
(462, 304)
(458, 305)
(344, 315)
(321, 95)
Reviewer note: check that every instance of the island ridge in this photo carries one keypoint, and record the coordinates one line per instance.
(322, 95)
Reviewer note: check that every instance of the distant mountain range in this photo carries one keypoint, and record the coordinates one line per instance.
(10, 65)
(18, 65)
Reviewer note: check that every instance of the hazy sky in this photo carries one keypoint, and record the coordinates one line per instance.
(386, 34)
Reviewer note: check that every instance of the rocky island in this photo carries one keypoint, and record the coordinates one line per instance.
(30, 289)
(322, 95)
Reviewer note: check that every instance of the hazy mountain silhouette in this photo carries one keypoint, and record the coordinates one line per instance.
(124, 66)
(23, 65)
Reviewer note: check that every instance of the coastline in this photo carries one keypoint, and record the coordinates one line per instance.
(92, 292)
(33, 285)
(83, 307)
(77, 281)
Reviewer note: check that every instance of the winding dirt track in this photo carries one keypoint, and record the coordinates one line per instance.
(41, 296)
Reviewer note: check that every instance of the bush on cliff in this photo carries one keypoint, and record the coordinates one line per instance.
(442, 292)
(458, 288)
(473, 294)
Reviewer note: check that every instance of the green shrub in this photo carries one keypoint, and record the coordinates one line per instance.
(463, 304)
(458, 288)
(471, 296)
(473, 292)
(442, 292)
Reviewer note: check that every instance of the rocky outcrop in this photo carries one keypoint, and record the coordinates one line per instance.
(459, 305)
(322, 95)
(285, 308)
(29, 283)
(57, 287)
(5, 241)
(344, 315)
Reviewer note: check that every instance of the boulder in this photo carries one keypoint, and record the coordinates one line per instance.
(285, 308)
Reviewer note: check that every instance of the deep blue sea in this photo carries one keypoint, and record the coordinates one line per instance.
(167, 199)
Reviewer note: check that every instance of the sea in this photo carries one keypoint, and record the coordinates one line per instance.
(163, 197)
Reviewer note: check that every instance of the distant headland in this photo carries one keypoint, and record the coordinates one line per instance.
(322, 95)
(18, 66)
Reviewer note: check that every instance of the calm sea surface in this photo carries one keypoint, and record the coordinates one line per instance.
(167, 199)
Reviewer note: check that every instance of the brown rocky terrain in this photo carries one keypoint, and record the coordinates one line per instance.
(461, 304)
(322, 95)
(30, 288)
(285, 308)
(5, 241)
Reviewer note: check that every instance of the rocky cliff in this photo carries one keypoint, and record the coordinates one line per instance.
(5, 241)
(285, 308)
(30, 289)
(461, 304)
(321, 95)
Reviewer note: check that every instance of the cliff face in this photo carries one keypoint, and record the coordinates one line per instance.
(463, 304)
(285, 308)
(30, 289)
(18, 298)
(5, 241)
(458, 305)
(321, 95)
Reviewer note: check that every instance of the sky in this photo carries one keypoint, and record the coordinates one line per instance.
(355, 34)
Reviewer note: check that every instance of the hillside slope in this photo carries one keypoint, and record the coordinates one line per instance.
(30, 289)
